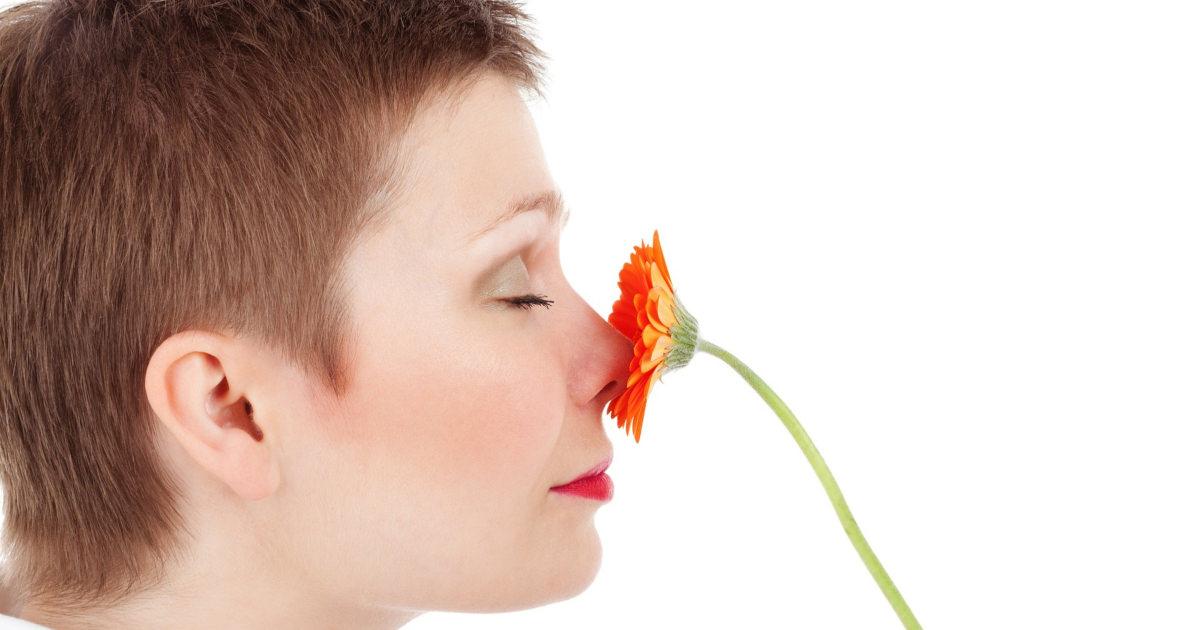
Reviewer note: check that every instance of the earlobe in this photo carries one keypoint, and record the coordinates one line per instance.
(194, 389)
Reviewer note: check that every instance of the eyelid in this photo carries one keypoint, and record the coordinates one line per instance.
(509, 277)
(509, 261)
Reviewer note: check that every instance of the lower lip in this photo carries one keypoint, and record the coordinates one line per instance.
(597, 487)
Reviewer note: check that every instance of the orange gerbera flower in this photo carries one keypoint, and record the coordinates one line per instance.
(663, 332)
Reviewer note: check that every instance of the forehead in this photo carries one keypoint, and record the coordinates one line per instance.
(467, 156)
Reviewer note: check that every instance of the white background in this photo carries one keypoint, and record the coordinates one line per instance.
(960, 239)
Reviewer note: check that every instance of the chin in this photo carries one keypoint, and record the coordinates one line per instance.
(585, 565)
(580, 566)
(561, 576)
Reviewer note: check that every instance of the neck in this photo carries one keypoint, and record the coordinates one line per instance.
(245, 602)
(233, 575)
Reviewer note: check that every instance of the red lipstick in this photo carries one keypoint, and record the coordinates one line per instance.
(593, 484)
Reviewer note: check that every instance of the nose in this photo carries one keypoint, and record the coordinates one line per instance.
(599, 365)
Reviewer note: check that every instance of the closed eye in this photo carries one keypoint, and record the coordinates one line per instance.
(527, 302)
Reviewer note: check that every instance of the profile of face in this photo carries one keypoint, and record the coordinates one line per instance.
(427, 485)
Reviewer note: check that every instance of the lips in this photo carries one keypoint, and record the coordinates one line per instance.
(593, 484)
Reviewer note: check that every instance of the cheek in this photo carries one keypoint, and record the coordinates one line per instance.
(475, 422)
(443, 451)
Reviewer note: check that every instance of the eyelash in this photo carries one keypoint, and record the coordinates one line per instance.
(527, 302)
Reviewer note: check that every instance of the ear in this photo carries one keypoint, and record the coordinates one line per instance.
(198, 385)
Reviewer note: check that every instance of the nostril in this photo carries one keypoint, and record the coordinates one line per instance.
(611, 390)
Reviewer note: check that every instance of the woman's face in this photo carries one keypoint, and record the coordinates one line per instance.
(427, 487)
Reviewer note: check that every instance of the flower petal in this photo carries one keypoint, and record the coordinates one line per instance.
(652, 360)
(645, 314)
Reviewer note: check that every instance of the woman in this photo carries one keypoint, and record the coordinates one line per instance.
(286, 339)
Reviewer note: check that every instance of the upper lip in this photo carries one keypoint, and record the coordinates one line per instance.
(592, 472)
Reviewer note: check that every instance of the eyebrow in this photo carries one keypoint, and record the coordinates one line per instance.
(548, 201)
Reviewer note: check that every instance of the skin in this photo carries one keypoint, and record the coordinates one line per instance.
(427, 487)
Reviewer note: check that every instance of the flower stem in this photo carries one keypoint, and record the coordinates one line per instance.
(831, 488)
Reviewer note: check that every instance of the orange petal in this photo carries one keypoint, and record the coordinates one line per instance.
(644, 314)
(662, 262)
(650, 336)
(664, 310)
(657, 355)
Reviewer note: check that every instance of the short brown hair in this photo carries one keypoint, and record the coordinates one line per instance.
(167, 165)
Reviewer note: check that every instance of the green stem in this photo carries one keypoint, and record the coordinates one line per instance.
(826, 477)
